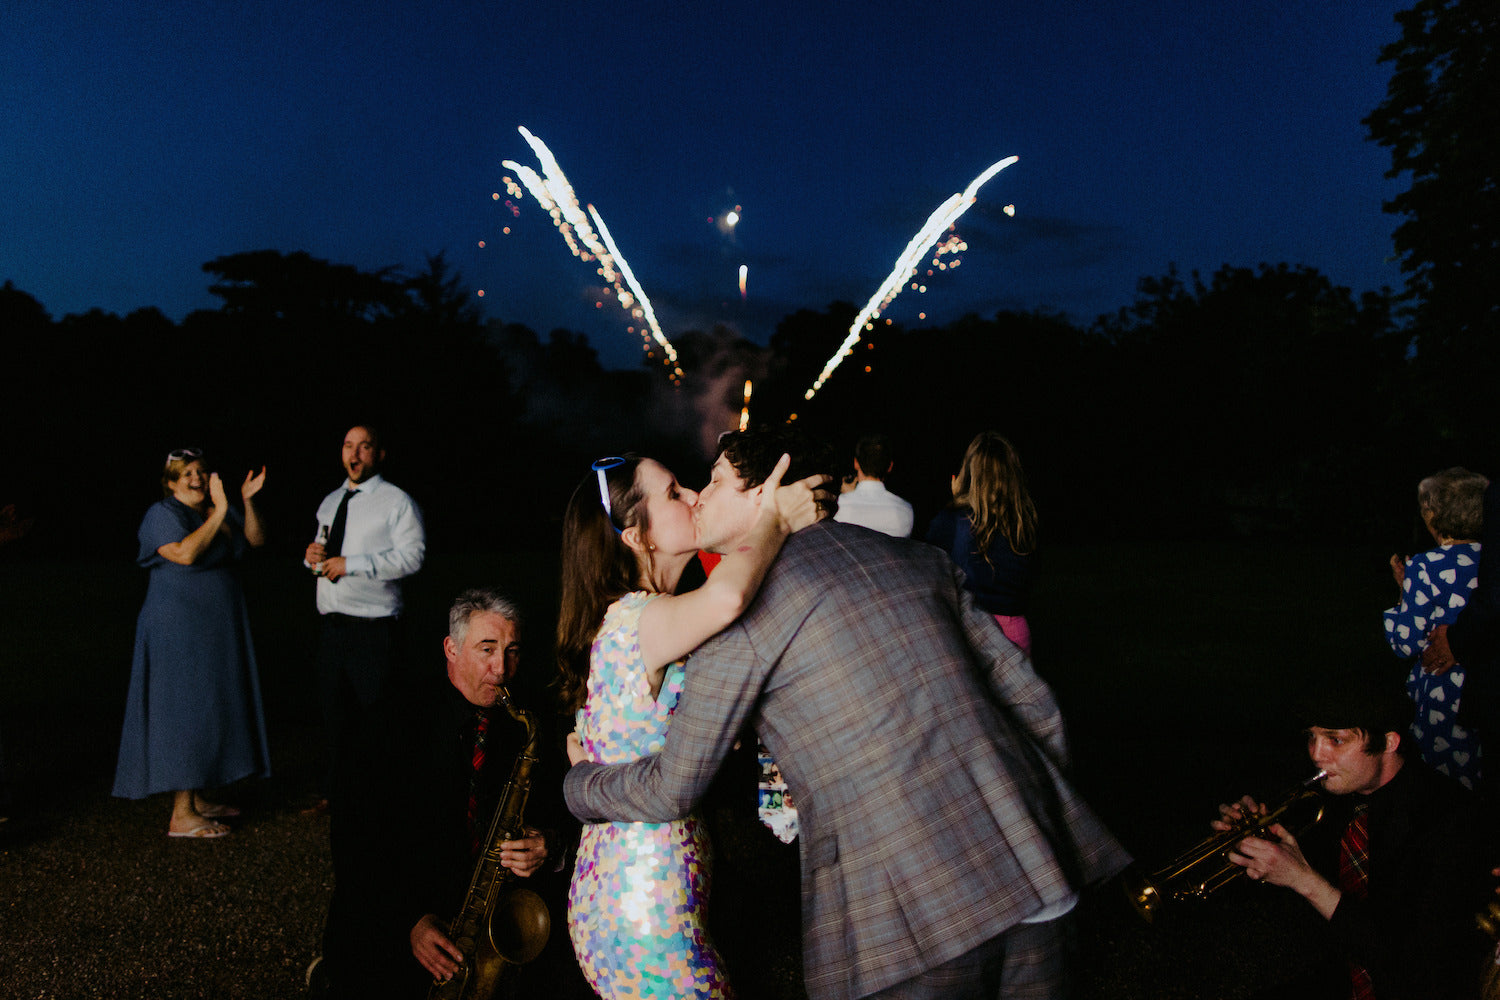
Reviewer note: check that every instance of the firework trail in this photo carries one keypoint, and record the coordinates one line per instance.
(587, 241)
(937, 223)
(643, 309)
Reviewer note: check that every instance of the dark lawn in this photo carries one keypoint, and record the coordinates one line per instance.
(1175, 664)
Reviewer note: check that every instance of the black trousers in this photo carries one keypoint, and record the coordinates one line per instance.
(357, 659)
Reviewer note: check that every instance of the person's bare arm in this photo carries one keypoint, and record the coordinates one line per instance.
(1280, 862)
(255, 532)
(191, 548)
(672, 626)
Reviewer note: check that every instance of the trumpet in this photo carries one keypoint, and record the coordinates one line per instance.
(1205, 868)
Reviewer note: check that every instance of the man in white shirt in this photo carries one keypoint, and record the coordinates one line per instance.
(870, 503)
(370, 538)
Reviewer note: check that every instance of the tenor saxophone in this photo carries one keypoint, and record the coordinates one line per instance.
(500, 924)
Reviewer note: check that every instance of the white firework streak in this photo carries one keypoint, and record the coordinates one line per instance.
(539, 191)
(643, 310)
(937, 223)
(557, 198)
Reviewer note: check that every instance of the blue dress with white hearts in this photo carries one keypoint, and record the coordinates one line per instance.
(1438, 584)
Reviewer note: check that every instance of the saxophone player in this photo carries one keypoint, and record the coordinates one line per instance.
(431, 770)
(1392, 872)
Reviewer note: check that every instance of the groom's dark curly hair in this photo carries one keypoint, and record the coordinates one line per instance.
(754, 453)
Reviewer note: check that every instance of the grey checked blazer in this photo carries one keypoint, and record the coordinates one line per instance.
(925, 756)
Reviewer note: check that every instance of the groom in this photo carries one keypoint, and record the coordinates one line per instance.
(941, 845)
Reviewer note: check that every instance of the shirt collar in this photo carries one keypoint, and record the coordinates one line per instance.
(367, 484)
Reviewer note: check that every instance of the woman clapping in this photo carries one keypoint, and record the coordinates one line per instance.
(193, 715)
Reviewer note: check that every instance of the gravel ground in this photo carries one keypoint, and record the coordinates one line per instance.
(99, 902)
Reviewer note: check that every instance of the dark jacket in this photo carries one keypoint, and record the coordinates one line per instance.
(401, 838)
(1428, 878)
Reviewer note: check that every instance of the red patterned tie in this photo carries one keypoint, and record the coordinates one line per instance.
(1354, 877)
(481, 726)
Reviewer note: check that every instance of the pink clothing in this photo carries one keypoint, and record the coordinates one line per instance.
(1016, 630)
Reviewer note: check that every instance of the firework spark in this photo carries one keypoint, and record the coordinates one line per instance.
(937, 223)
(588, 241)
(744, 274)
(745, 410)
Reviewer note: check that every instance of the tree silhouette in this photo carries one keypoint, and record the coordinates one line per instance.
(1257, 392)
(1439, 119)
(269, 284)
(1247, 401)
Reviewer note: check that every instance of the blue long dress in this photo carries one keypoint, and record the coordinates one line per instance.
(193, 715)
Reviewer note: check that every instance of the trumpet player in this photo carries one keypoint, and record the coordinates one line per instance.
(1396, 869)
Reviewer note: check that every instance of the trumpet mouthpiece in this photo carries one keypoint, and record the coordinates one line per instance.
(1315, 779)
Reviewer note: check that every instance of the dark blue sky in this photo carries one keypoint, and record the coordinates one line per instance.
(140, 140)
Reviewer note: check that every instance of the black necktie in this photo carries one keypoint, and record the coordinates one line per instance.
(335, 546)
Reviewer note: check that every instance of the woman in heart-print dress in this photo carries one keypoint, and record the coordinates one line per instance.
(1435, 585)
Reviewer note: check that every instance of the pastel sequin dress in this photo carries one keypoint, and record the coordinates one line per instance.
(635, 909)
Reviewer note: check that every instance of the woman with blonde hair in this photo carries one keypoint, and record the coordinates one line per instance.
(193, 717)
(989, 530)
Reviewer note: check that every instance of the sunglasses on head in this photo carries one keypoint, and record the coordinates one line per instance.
(600, 467)
(184, 454)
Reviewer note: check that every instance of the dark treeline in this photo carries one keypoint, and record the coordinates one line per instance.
(1261, 401)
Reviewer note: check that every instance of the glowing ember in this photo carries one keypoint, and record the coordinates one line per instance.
(725, 223)
(745, 411)
(937, 223)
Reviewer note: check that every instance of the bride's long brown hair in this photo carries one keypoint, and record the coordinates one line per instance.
(597, 569)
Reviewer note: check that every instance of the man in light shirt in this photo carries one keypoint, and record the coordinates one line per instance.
(370, 538)
(870, 503)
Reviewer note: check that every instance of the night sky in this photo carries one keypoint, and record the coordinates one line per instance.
(141, 140)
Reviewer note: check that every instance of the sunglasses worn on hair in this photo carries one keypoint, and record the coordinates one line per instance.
(600, 467)
(184, 454)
